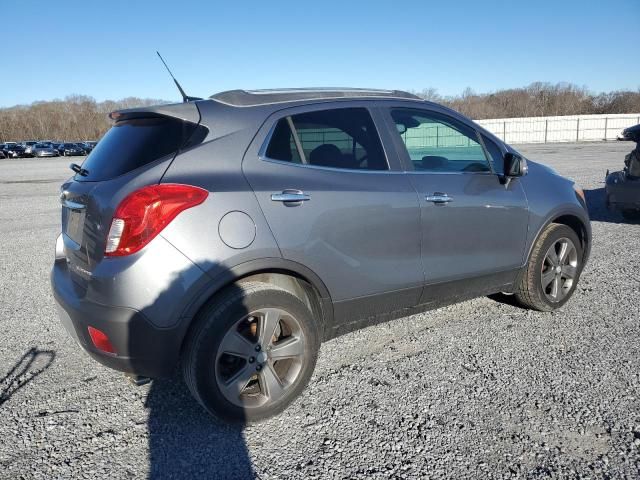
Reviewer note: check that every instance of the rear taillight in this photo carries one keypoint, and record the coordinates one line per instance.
(144, 213)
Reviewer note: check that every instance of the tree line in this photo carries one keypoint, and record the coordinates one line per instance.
(79, 117)
(538, 100)
(75, 118)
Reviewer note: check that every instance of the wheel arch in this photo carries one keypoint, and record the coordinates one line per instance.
(572, 220)
(286, 274)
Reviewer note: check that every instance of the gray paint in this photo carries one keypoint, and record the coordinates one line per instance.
(367, 241)
(237, 230)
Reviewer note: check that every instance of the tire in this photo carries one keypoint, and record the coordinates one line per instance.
(532, 287)
(209, 371)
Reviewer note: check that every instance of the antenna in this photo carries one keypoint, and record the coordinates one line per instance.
(185, 97)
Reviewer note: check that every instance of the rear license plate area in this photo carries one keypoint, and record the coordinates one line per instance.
(74, 224)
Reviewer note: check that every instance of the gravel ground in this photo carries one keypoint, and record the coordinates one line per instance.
(476, 390)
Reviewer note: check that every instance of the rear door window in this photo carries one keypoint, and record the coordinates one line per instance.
(132, 143)
(338, 138)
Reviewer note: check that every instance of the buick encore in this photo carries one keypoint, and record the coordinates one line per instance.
(229, 237)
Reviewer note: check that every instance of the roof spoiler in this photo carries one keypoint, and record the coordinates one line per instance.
(187, 112)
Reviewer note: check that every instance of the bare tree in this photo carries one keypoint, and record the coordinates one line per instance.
(538, 99)
(77, 117)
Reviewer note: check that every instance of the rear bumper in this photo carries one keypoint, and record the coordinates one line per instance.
(147, 338)
(141, 348)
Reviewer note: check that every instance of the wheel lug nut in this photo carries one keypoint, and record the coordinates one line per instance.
(258, 348)
(252, 359)
(258, 367)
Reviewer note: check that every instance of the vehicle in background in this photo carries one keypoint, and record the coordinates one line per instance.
(70, 149)
(2, 154)
(44, 150)
(16, 151)
(622, 188)
(5, 147)
(89, 146)
(83, 147)
(28, 146)
(231, 236)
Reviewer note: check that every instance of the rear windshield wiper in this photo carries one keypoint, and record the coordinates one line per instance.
(79, 170)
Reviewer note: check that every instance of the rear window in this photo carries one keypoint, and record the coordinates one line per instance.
(339, 138)
(130, 144)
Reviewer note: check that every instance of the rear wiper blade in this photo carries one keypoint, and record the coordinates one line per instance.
(79, 170)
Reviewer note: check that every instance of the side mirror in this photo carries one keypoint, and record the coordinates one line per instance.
(514, 165)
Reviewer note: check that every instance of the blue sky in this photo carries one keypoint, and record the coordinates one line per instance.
(106, 49)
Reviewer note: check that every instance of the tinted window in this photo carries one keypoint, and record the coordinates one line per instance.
(437, 143)
(282, 145)
(130, 144)
(339, 138)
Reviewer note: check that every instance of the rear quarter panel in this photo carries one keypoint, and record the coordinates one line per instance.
(215, 165)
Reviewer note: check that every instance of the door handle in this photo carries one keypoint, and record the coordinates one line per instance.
(438, 197)
(290, 196)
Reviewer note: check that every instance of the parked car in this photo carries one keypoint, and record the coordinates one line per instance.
(5, 147)
(231, 236)
(15, 150)
(622, 187)
(44, 150)
(28, 146)
(2, 154)
(70, 149)
(87, 146)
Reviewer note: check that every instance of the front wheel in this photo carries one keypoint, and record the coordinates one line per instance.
(551, 276)
(251, 353)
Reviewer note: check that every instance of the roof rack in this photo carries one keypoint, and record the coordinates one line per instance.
(250, 98)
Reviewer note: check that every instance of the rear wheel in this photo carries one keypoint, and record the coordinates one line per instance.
(554, 268)
(251, 353)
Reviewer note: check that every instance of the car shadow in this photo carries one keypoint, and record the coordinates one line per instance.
(598, 211)
(185, 441)
(24, 371)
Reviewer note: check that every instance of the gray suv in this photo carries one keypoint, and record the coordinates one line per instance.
(229, 237)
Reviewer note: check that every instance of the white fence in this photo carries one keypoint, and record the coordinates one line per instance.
(570, 128)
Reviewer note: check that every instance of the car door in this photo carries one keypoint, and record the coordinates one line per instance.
(338, 204)
(474, 225)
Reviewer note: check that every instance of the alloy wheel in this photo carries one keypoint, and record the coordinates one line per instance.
(260, 358)
(559, 269)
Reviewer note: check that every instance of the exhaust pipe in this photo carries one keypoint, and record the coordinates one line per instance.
(138, 380)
